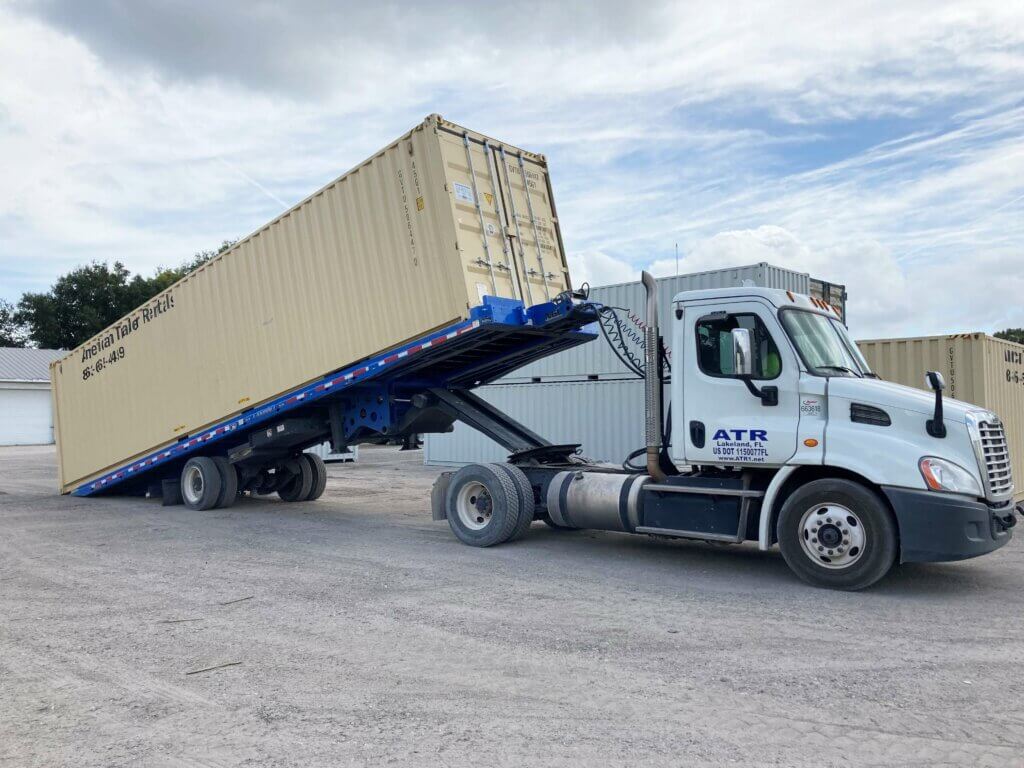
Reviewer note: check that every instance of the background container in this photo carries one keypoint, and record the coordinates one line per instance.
(597, 359)
(404, 243)
(324, 452)
(978, 369)
(607, 417)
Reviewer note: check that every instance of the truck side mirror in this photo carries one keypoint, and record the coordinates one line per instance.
(742, 358)
(934, 380)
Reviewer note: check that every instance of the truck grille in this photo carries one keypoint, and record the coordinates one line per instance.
(997, 458)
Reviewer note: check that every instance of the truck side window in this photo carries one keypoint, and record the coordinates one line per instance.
(714, 345)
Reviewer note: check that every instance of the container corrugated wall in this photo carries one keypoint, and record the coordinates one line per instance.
(598, 359)
(978, 369)
(607, 417)
(389, 251)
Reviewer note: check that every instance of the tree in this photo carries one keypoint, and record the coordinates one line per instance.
(1011, 334)
(12, 332)
(88, 299)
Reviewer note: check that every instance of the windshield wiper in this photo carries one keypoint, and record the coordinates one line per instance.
(842, 368)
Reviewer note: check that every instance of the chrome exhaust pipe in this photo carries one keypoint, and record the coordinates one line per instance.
(652, 381)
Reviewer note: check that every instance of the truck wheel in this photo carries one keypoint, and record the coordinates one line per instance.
(482, 505)
(228, 482)
(838, 534)
(526, 500)
(200, 483)
(319, 476)
(301, 483)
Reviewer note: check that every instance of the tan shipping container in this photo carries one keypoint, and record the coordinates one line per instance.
(978, 369)
(402, 244)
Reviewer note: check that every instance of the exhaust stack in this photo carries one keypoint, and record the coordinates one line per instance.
(652, 381)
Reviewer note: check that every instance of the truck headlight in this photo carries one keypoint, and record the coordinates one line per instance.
(942, 475)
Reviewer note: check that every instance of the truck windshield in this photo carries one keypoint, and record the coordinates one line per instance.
(824, 345)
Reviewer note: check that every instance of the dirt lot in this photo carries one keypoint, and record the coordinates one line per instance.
(360, 632)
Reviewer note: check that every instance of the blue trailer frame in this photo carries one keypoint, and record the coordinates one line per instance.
(499, 336)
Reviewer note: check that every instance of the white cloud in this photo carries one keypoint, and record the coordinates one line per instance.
(150, 135)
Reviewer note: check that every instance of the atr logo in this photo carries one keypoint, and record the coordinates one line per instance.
(741, 434)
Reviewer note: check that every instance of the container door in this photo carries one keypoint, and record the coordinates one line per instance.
(483, 245)
(532, 225)
(724, 423)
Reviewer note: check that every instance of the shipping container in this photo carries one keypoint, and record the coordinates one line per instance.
(598, 361)
(325, 452)
(978, 369)
(406, 242)
(606, 417)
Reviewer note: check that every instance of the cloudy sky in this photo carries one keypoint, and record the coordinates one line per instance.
(880, 146)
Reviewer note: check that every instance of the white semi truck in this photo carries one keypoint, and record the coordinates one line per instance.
(778, 433)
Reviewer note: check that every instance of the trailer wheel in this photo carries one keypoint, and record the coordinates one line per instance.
(319, 476)
(837, 533)
(228, 482)
(527, 504)
(301, 483)
(200, 483)
(482, 504)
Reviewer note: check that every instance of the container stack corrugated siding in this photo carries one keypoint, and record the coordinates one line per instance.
(978, 369)
(606, 417)
(389, 251)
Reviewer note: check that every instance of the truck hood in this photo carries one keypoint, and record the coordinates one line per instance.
(889, 395)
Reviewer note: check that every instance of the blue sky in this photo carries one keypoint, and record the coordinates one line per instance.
(880, 145)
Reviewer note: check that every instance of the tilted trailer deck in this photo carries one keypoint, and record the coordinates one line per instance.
(419, 386)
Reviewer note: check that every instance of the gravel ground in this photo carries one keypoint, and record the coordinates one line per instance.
(361, 632)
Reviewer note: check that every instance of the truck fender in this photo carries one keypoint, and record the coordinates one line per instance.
(764, 533)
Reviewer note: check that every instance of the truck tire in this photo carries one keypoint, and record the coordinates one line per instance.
(319, 476)
(837, 534)
(527, 504)
(228, 482)
(482, 505)
(200, 483)
(301, 483)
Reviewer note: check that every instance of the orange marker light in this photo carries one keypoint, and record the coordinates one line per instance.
(810, 442)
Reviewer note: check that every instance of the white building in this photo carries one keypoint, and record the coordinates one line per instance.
(26, 410)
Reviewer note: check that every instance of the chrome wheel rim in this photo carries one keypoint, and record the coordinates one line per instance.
(474, 506)
(193, 485)
(832, 536)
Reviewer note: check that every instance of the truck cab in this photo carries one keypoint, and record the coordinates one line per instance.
(769, 382)
(778, 433)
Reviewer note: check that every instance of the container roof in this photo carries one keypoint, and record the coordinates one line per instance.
(18, 364)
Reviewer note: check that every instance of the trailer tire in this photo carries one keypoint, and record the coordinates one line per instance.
(228, 483)
(527, 504)
(482, 505)
(299, 486)
(319, 476)
(200, 483)
(837, 534)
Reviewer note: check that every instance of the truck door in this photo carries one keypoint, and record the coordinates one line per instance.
(723, 422)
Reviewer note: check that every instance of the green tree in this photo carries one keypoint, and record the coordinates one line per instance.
(1011, 334)
(88, 299)
(12, 332)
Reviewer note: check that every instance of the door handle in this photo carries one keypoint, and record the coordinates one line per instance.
(697, 435)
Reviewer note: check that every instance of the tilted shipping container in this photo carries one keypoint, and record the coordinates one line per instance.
(406, 242)
(978, 369)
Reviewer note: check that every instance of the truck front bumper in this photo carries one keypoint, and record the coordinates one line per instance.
(935, 527)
